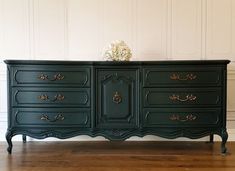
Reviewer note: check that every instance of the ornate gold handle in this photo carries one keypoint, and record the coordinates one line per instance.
(189, 76)
(188, 97)
(58, 97)
(117, 98)
(58, 117)
(189, 117)
(55, 77)
(43, 97)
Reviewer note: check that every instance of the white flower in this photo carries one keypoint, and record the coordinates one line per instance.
(117, 51)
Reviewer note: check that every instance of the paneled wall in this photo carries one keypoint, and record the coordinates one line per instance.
(154, 29)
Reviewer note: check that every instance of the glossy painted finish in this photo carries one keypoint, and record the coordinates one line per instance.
(117, 100)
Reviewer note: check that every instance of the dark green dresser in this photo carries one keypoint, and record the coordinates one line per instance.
(117, 100)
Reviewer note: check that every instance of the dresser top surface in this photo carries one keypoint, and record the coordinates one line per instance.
(160, 62)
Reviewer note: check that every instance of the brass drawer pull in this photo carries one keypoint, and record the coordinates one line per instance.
(58, 97)
(189, 76)
(117, 98)
(43, 77)
(43, 97)
(58, 117)
(188, 97)
(55, 77)
(189, 117)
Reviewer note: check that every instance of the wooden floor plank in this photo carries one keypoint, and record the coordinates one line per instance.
(116, 156)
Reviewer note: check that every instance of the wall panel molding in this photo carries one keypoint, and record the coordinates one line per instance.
(186, 29)
(116, 25)
(14, 29)
(49, 29)
(84, 29)
(219, 29)
(151, 27)
(1, 29)
(203, 29)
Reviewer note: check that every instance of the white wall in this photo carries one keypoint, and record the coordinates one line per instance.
(154, 29)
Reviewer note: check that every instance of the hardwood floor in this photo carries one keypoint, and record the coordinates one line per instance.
(116, 156)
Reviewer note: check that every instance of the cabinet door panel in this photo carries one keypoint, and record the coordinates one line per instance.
(117, 98)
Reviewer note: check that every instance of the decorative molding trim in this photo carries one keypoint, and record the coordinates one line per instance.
(203, 29)
(141, 25)
(58, 50)
(1, 30)
(211, 18)
(31, 29)
(78, 48)
(195, 47)
(21, 43)
(169, 29)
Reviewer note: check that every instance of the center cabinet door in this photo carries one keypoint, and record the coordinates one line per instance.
(117, 98)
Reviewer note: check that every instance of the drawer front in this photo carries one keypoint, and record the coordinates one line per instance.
(197, 76)
(51, 76)
(183, 117)
(155, 97)
(58, 97)
(51, 117)
(117, 98)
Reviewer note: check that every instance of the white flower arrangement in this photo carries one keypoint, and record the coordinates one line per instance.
(117, 51)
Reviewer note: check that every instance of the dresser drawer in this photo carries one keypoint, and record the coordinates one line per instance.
(183, 117)
(182, 76)
(58, 97)
(51, 117)
(155, 97)
(51, 76)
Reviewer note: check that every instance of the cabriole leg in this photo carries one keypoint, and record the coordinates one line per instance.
(8, 138)
(224, 136)
(24, 138)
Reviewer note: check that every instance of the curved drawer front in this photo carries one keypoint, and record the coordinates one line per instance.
(58, 97)
(51, 76)
(155, 97)
(197, 76)
(183, 117)
(44, 117)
